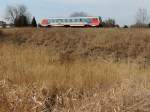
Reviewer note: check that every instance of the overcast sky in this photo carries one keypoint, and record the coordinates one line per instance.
(123, 11)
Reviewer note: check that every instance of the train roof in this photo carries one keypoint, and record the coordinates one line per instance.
(73, 17)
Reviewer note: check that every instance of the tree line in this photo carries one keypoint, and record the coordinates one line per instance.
(19, 16)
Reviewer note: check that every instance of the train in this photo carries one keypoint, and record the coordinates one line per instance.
(72, 22)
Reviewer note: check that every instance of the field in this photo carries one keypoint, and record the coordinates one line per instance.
(74, 70)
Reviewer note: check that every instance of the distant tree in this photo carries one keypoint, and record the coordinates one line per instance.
(141, 17)
(79, 14)
(149, 25)
(11, 13)
(17, 15)
(103, 24)
(117, 26)
(125, 26)
(109, 23)
(21, 21)
(34, 23)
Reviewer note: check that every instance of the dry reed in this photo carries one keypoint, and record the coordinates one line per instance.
(41, 78)
(33, 79)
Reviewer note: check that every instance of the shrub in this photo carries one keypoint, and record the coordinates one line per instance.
(21, 21)
(149, 25)
(109, 23)
(125, 26)
(34, 23)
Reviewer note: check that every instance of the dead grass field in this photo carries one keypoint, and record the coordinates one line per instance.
(74, 70)
(86, 43)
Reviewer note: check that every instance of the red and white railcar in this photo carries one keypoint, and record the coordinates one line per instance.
(72, 22)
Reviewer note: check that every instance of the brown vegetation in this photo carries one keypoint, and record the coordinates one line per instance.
(94, 43)
(74, 70)
(1, 32)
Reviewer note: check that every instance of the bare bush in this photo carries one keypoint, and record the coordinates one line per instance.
(141, 18)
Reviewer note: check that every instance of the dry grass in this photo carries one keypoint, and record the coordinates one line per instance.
(41, 79)
(87, 43)
(0, 32)
(29, 76)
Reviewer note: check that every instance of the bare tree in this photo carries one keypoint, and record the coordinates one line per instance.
(22, 10)
(79, 14)
(141, 17)
(13, 12)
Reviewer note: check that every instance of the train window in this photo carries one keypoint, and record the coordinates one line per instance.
(70, 20)
(61, 20)
(66, 20)
(75, 20)
(84, 20)
(57, 20)
(80, 20)
(87, 20)
(53, 21)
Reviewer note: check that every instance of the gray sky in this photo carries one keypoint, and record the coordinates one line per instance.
(123, 11)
